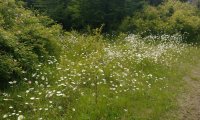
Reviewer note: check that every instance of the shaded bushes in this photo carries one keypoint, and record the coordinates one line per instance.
(79, 14)
(25, 40)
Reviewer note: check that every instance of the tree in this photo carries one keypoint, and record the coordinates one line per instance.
(78, 14)
(170, 18)
(155, 2)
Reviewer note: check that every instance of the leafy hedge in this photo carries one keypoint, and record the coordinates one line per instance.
(25, 40)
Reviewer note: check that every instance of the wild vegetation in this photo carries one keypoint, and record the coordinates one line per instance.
(81, 14)
(47, 73)
(131, 78)
(168, 18)
(25, 40)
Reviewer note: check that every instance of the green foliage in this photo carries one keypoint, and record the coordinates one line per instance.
(124, 77)
(170, 18)
(155, 2)
(25, 40)
(78, 14)
(128, 79)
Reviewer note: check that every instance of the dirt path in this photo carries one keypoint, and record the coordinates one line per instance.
(190, 101)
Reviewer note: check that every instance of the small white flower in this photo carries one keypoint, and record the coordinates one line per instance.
(125, 110)
(36, 82)
(60, 107)
(32, 98)
(43, 78)
(14, 82)
(5, 116)
(19, 96)
(29, 82)
(20, 117)
(11, 107)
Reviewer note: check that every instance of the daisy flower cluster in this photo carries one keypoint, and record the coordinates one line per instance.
(93, 78)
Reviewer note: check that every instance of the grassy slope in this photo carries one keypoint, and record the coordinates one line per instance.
(99, 80)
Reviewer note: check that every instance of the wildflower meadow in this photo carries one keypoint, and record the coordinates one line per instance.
(126, 78)
(99, 59)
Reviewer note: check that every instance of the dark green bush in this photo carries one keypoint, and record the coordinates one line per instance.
(78, 14)
(25, 40)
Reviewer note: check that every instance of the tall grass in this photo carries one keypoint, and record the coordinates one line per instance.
(131, 78)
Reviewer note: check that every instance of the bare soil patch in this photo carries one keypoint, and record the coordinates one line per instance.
(190, 100)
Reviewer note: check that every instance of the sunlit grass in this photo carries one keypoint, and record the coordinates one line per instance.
(125, 79)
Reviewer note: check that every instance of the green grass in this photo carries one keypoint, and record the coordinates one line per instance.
(96, 79)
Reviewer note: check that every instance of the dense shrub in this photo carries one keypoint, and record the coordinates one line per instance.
(25, 40)
(169, 18)
(79, 14)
